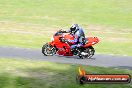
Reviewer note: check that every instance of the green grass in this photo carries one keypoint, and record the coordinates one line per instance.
(30, 23)
(28, 41)
(114, 47)
(18, 73)
(63, 12)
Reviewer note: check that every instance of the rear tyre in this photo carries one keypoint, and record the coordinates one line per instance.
(79, 53)
(90, 51)
(48, 50)
(81, 57)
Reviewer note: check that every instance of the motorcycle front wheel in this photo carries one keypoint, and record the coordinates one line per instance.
(48, 50)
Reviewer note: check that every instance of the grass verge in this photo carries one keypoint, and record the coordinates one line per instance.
(51, 13)
(18, 73)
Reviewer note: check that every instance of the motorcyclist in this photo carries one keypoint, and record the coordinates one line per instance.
(79, 36)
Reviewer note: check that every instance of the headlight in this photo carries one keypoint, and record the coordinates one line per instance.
(52, 38)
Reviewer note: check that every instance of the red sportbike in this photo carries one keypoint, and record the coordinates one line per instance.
(61, 47)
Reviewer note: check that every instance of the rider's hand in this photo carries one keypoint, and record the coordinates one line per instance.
(60, 31)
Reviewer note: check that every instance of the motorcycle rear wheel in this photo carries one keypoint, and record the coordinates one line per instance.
(48, 50)
(90, 51)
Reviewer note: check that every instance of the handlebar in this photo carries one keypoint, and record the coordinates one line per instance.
(59, 31)
(62, 39)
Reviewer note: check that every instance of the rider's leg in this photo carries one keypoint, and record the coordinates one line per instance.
(78, 50)
(79, 45)
(73, 47)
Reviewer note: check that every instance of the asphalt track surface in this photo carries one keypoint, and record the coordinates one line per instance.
(101, 60)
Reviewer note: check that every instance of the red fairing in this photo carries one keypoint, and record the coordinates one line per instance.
(64, 48)
(69, 37)
(91, 41)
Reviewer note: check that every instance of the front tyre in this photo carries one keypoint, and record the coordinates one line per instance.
(48, 50)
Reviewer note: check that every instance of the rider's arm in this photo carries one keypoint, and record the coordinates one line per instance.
(68, 31)
(64, 31)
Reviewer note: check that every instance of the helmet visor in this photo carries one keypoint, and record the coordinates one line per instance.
(73, 29)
